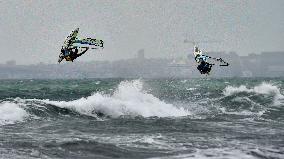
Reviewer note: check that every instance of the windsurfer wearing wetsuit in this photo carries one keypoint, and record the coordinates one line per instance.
(204, 67)
(71, 54)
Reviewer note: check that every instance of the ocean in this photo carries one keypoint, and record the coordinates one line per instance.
(227, 118)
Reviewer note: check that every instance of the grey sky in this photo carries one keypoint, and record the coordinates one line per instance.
(33, 31)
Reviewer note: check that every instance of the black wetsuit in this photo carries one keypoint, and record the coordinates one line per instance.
(73, 53)
(204, 67)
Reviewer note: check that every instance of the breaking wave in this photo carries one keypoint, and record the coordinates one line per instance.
(264, 88)
(11, 113)
(263, 99)
(128, 99)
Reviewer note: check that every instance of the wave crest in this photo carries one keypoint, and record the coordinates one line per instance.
(263, 100)
(264, 88)
(128, 99)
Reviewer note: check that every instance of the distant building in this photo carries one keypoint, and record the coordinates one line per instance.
(141, 54)
(266, 64)
(271, 63)
(11, 63)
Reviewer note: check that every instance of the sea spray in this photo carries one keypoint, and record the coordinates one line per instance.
(128, 99)
(11, 113)
(264, 88)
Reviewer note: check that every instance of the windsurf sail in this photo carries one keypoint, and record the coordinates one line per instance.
(89, 42)
(74, 47)
(205, 62)
(70, 39)
(216, 61)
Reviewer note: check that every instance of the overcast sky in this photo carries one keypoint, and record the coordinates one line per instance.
(33, 31)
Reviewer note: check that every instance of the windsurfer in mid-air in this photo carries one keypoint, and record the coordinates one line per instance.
(204, 67)
(73, 47)
(71, 54)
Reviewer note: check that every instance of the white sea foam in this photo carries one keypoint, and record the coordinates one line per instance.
(128, 99)
(263, 88)
(11, 113)
(213, 154)
(145, 141)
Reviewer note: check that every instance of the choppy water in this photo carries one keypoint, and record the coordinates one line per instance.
(194, 118)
